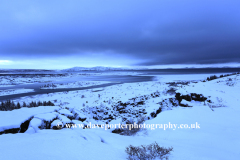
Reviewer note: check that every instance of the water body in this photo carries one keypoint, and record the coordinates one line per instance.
(182, 71)
(144, 76)
(113, 79)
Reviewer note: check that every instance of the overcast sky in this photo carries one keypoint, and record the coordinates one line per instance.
(147, 33)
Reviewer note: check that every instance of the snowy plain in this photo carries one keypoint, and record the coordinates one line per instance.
(15, 91)
(216, 139)
(76, 84)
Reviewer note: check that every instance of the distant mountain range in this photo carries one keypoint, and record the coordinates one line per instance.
(98, 68)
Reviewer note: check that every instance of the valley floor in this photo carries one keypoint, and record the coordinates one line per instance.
(213, 106)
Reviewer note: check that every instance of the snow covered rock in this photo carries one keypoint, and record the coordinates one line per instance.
(46, 119)
(79, 116)
(14, 119)
(36, 124)
(185, 103)
(64, 119)
(67, 113)
(30, 130)
(57, 124)
(46, 116)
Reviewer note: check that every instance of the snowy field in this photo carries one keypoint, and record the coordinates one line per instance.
(14, 80)
(76, 84)
(212, 106)
(14, 91)
(17, 79)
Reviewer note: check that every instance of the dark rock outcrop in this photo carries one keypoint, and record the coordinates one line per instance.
(189, 97)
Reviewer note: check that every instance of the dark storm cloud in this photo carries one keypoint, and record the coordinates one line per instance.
(158, 32)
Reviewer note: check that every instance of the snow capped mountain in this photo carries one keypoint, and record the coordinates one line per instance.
(98, 68)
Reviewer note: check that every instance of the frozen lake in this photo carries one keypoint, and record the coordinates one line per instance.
(36, 86)
(112, 76)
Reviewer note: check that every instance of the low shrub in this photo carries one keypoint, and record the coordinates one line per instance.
(212, 77)
(147, 152)
(221, 76)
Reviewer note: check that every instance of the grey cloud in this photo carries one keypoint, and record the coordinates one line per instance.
(158, 32)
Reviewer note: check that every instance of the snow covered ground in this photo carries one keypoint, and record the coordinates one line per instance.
(14, 80)
(15, 91)
(6, 85)
(215, 137)
(76, 84)
(184, 77)
(18, 79)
